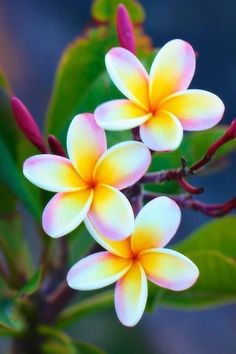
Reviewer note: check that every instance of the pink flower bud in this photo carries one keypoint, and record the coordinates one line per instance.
(124, 29)
(56, 146)
(27, 124)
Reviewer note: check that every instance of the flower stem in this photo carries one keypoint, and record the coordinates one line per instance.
(184, 171)
(186, 201)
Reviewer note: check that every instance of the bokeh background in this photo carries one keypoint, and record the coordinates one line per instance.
(33, 34)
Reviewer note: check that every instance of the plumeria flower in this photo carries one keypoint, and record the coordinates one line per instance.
(88, 183)
(132, 261)
(159, 102)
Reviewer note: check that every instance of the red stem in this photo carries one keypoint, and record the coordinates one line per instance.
(189, 188)
(186, 201)
(230, 134)
(179, 173)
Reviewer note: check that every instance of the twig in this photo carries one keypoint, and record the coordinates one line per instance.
(186, 201)
(230, 134)
(184, 170)
(189, 188)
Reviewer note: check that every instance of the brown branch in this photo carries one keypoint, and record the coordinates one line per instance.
(184, 170)
(230, 134)
(186, 201)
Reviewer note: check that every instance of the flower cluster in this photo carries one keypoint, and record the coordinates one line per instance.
(88, 183)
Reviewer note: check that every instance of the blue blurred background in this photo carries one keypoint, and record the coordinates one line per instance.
(33, 34)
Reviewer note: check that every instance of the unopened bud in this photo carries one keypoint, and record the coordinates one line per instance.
(27, 124)
(124, 29)
(56, 146)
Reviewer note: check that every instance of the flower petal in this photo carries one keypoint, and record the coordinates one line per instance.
(65, 212)
(111, 213)
(172, 70)
(155, 224)
(169, 269)
(162, 133)
(129, 75)
(86, 142)
(120, 115)
(196, 109)
(97, 270)
(52, 173)
(119, 248)
(123, 164)
(131, 295)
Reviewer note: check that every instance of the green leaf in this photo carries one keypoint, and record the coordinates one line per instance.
(10, 321)
(105, 10)
(24, 150)
(8, 129)
(211, 248)
(87, 348)
(15, 181)
(32, 285)
(4, 84)
(81, 65)
(81, 82)
(12, 244)
(9, 134)
(79, 243)
(85, 307)
(13, 184)
(59, 342)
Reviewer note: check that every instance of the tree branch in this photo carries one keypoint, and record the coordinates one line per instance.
(186, 201)
(184, 170)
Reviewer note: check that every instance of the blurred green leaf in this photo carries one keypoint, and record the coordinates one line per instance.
(85, 307)
(87, 348)
(9, 134)
(4, 84)
(8, 129)
(24, 150)
(12, 243)
(212, 249)
(81, 65)
(79, 243)
(32, 285)
(169, 187)
(81, 81)
(105, 10)
(10, 321)
(9, 205)
(13, 184)
(59, 342)
(15, 181)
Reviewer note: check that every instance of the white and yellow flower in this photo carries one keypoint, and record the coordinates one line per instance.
(88, 183)
(132, 261)
(159, 102)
